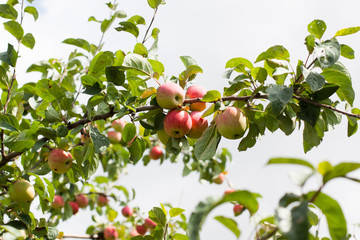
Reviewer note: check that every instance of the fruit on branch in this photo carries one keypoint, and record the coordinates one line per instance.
(110, 233)
(141, 229)
(177, 123)
(127, 211)
(82, 200)
(238, 209)
(170, 95)
(114, 137)
(59, 160)
(155, 152)
(230, 190)
(149, 223)
(232, 123)
(102, 200)
(58, 202)
(198, 125)
(220, 178)
(163, 136)
(22, 191)
(196, 91)
(118, 124)
(74, 206)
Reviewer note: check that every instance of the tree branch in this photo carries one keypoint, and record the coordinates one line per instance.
(147, 30)
(82, 236)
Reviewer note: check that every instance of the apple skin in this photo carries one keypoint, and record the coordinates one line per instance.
(198, 125)
(58, 202)
(149, 223)
(177, 123)
(238, 209)
(127, 211)
(141, 229)
(170, 95)
(196, 91)
(82, 200)
(60, 161)
(155, 152)
(102, 200)
(219, 179)
(110, 233)
(22, 191)
(134, 233)
(118, 124)
(163, 136)
(232, 123)
(114, 137)
(230, 190)
(74, 206)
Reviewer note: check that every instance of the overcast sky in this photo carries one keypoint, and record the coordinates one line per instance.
(212, 32)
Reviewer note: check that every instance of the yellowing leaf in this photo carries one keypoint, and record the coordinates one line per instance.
(148, 92)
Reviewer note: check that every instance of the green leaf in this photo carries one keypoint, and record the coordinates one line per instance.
(141, 50)
(259, 74)
(296, 161)
(112, 94)
(340, 170)
(334, 215)
(7, 11)
(9, 122)
(211, 96)
(78, 42)
(136, 19)
(347, 31)
(328, 90)
(15, 29)
(43, 90)
(190, 72)
(33, 11)
(347, 51)
(128, 133)
(188, 61)
(51, 115)
(154, 3)
(136, 150)
(139, 63)
(310, 43)
(308, 112)
(175, 212)
(158, 216)
(275, 52)
(206, 145)
(327, 52)
(19, 142)
(101, 142)
(99, 62)
(317, 28)
(128, 27)
(315, 80)
(311, 137)
(230, 224)
(28, 40)
(179, 236)
(279, 96)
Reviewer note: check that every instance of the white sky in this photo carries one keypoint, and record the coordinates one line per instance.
(212, 32)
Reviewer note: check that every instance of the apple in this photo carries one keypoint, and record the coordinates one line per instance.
(177, 123)
(82, 200)
(102, 200)
(127, 211)
(170, 95)
(238, 209)
(232, 123)
(58, 202)
(198, 125)
(110, 233)
(155, 152)
(163, 136)
(134, 233)
(149, 223)
(141, 229)
(74, 206)
(118, 124)
(22, 191)
(196, 91)
(114, 137)
(59, 160)
(230, 190)
(220, 178)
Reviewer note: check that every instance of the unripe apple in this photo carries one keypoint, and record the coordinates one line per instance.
(163, 136)
(58, 202)
(232, 123)
(196, 91)
(177, 123)
(141, 229)
(127, 211)
(238, 209)
(230, 190)
(82, 200)
(110, 233)
(170, 95)
(22, 191)
(149, 223)
(74, 206)
(155, 152)
(198, 125)
(219, 179)
(102, 200)
(59, 160)
(114, 137)
(118, 124)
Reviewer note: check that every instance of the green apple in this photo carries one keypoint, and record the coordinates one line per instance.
(22, 191)
(170, 95)
(177, 123)
(59, 160)
(232, 123)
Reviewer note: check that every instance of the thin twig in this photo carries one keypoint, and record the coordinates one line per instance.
(148, 29)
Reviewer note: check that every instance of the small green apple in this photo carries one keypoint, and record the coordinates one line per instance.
(232, 123)
(22, 191)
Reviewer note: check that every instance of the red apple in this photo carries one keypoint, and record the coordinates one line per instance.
(155, 152)
(22, 191)
(230, 190)
(134, 233)
(196, 91)
(141, 229)
(163, 136)
(177, 123)
(170, 95)
(232, 123)
(238, 209)
(118, 124)
(149, 223)
(58, 202)
(114, 137)
(110, 233)
(219, 179)
(74, 206)
(82, 200)
(198, 125)
(127, 211)
(59, 160)
(102, 200)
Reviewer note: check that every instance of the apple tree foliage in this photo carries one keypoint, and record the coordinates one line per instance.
(274, 95)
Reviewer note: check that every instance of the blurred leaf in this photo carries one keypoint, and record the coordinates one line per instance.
(179, 236)
(9, 122)
(154, 3)
(28, 40)
(308, 112)
(15, 29)
(128, 133)
(311, 137)
(158, 216)
(128, 27)
(7, 11)
(296, 161)
(10, 56)
(310, 43)
(275, 52)
(101, 142)
(136, 149)
(33, 11)
(206, 145)
(340, 170)
(327, 52)
(347, 31)
(136, 19)
(317, 28)
(78, 42)
(347, 52)
(175, 212)
(230, 224)
(19, 142)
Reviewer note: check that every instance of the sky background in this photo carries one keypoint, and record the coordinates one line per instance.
(212, 32)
